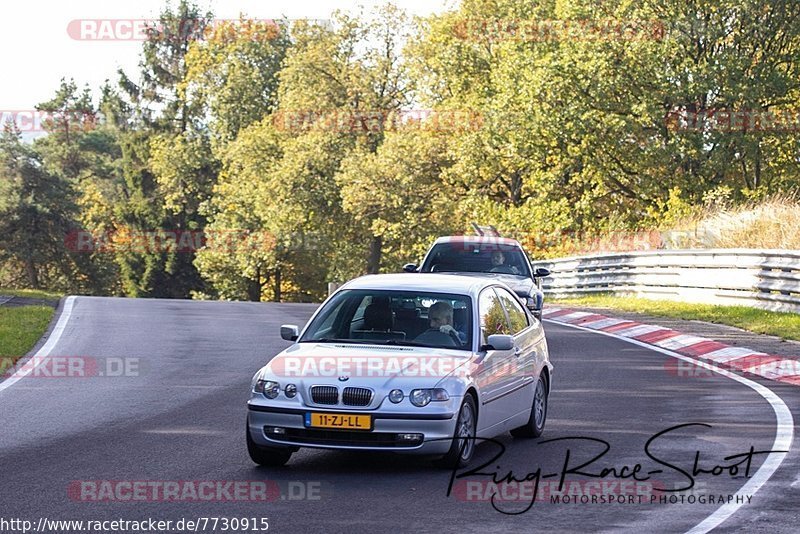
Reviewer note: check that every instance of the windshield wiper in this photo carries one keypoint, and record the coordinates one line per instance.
(404, 343)
(392, 342)
(332, 340)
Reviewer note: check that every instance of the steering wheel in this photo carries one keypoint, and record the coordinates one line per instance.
(454, 335)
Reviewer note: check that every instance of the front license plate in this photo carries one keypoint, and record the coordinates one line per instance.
(338, 420)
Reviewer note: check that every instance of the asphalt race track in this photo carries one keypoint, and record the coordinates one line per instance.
(178, 414)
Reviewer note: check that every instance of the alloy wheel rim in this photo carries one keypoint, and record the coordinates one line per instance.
(465, 445)
(539, 405)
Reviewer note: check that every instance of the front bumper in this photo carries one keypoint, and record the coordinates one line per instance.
(436, 428)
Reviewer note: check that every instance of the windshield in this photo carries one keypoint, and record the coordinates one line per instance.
(476, 258)
(411, 318)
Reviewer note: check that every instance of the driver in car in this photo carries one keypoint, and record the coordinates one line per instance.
(441, 331)
(499, 264)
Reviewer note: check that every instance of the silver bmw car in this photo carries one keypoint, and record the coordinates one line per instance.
(421, 365)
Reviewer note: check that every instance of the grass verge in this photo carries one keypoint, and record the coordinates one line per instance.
(30, 293)
(784, 325)
(20, 329)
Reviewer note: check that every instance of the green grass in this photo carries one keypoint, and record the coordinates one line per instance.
(20, 329)
(30, 293)
(784, 325)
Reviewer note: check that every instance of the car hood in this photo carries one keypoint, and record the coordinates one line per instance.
(521, 285)
(379, 368)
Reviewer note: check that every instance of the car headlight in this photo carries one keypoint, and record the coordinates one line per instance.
(396, 395)
(269, 388)
(290, 391)
(256, 382)
(423, 397)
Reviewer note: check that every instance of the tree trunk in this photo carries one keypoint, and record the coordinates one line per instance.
(254, 287)
(277, 297)
(374, 260)
(757, 167)
(33, 274)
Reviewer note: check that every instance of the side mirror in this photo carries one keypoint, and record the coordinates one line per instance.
(290, 332)
(410, 267)
(500, 342)
(541, 272)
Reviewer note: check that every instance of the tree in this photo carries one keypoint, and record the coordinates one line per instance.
(401, 192)
(511, 166)
(70, 117)
(233, 73)
(161, 196)
(157, 97)
(36, 215)
(347, 75)
(578, 123)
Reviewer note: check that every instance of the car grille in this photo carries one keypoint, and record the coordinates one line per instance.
(356, 396)
(325, 394)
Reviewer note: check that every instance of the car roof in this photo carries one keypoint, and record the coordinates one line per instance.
(476, 239)
(431, 282)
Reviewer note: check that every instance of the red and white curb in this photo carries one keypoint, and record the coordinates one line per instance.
(742, 359)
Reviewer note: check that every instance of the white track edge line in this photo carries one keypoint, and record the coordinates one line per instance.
(46, 349)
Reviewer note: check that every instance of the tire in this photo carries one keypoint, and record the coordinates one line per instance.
(266, 456)
(535, 425)
(466, 426)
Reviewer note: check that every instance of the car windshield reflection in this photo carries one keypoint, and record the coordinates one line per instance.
(476, 258)
(400, 318)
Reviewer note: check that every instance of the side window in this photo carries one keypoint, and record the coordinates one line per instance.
(516, 314)
(493, 317)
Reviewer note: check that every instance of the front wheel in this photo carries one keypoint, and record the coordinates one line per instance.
(463, 445)
(266, 456)
(535, 425)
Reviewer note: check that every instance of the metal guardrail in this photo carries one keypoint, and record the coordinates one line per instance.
(768, 279)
